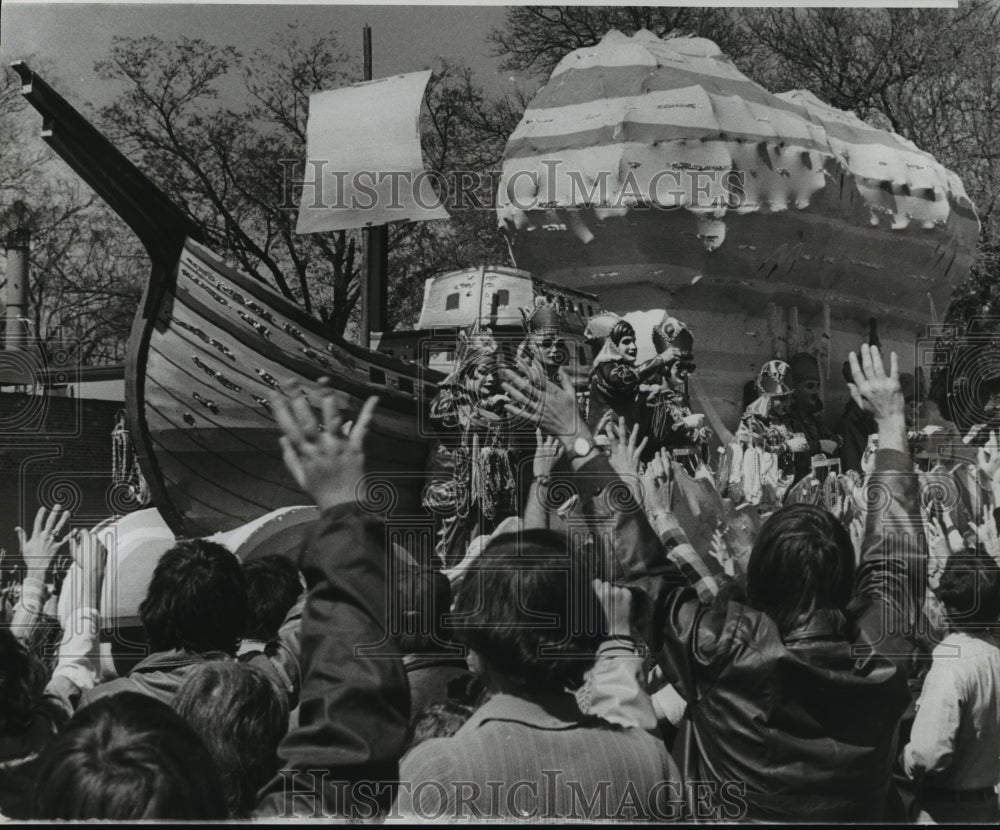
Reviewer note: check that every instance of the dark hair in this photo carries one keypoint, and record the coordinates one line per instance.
(802, 561)
(969, 589)
(527, 607)
(242, 717)
(22, 680)
(272, 586)
(127, 756)
(622, 328)
(196, 599)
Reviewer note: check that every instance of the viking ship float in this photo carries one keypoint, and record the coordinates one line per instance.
(210, 344)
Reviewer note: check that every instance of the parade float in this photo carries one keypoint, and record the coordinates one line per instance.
(656, 174)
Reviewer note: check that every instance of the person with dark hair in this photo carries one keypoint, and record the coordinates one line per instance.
(241, 716)
(796, 693)
(127, 757)
(194, 610)
(798, 565)
(273, 586)
(952, 752)
(528, 611)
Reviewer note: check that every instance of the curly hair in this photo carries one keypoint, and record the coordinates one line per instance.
(527, 607)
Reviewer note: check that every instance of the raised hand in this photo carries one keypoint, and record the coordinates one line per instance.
(880, 395)
(989, 457)
(987, 534)
(955, 542)
(625, 452)
(40, 548)
(90, 555)
(856, 529)
(720, 550)
(327, 461)
(547, 453)
(658, 485)
(550, 407)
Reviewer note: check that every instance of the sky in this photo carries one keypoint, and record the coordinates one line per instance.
(70, 37)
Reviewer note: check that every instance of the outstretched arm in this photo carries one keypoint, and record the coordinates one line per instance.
(342, 758)
(893, 558)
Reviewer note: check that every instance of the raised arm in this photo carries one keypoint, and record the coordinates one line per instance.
(38, 551)
(342, 758)
(608, 502)
(893, 557)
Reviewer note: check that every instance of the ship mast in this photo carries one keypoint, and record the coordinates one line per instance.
(376, 239)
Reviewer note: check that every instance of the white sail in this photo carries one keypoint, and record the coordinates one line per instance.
(363, 160)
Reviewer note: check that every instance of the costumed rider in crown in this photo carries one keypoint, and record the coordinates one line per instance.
(471, 470)
(759, 466)
(667, 417)
(542, 347)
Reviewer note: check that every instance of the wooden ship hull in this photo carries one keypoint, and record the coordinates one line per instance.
(201, 370)
(209, 345)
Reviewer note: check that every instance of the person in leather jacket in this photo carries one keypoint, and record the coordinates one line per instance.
(793, 696)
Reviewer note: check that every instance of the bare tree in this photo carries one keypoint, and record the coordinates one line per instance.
(87, 270)
(227, 167)
(535, 38)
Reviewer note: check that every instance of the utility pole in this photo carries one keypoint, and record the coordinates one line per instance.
(18, 243)
(374, 284)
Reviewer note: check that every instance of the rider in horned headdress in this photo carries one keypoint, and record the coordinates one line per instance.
(471, 463)
(543, 346)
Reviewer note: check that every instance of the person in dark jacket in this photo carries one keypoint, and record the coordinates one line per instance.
(793, 696)
(342, 760)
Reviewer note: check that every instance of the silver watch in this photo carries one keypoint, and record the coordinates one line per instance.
(582, 447)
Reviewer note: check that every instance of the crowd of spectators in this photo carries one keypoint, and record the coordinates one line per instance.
(617, 650)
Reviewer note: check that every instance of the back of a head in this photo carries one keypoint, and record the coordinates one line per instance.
(22, 679)
(527, 607)
(969, 589)
(272, 586)
(196, 599)
(242, 717)
(802, 561)
(126, 757)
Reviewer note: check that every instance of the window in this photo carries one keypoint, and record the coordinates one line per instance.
(503, 298)
(451, 302)
(590, 311)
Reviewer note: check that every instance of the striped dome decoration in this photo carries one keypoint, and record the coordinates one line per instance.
(672, 126)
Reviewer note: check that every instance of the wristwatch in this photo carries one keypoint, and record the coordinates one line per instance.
(582, 447)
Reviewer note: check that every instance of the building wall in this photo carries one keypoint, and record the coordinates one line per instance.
(56, 450)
